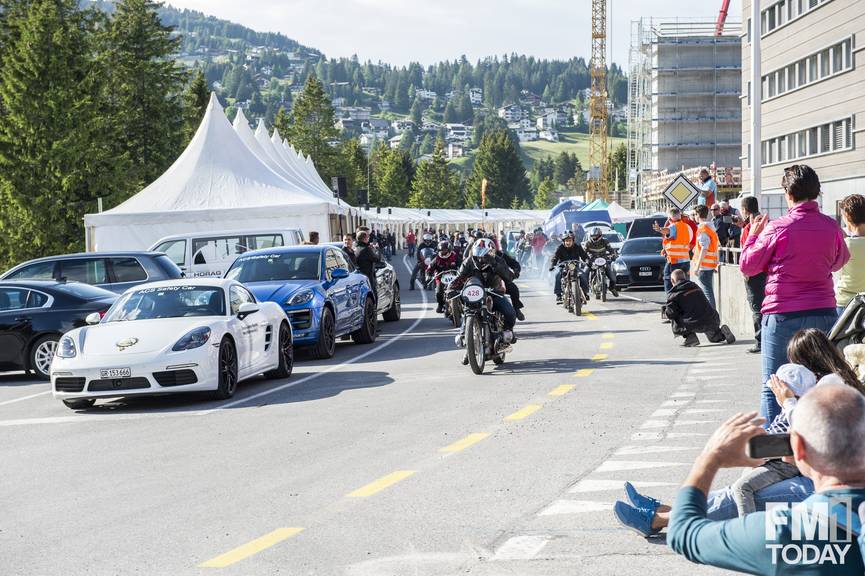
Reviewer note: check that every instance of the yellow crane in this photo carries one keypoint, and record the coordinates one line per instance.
(598, 170)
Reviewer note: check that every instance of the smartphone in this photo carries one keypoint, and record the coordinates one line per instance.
(769, 446)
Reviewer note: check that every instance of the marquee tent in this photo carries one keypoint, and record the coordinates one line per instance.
(218, 183)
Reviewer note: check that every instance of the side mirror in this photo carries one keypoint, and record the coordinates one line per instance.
(246, 309)
(380, 265)
(93, 318)
(339, 273)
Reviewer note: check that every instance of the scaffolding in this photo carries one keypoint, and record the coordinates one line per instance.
(683, 103)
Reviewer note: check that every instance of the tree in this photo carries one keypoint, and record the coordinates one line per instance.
(145, 84)
(451, 113)
(618, 166)
(312, 127)
(282, 121)
(416, 112)
(195, 101)
(353, 167)
(564, 167)
(394, 178)
(545, 197)
(498, 160)
(436, 184)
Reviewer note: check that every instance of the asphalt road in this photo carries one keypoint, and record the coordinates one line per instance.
(391, 459)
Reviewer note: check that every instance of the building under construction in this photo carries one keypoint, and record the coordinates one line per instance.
(684, 109)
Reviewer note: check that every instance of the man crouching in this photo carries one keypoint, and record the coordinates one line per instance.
(689, 312)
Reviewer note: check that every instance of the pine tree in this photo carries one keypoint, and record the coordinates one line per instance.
(436, 184)
(545, 197)
(354, 168)
(564, 167)
(195, 101)
(312, 127)
(282, 121)
(145, 85)
(498, 160)
(395, 178)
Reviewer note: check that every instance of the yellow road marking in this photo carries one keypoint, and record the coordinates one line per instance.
(584, 372)
(381, 484)
(469, 440)
(608, 335)
(599, 357)
(252, 547)
(591, 316)
(524, 412)
(607, 345)
(562, 390)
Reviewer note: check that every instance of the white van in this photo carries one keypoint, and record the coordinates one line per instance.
(211, 254)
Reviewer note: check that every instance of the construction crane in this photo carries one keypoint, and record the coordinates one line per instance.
(722, 18)
(598, 185)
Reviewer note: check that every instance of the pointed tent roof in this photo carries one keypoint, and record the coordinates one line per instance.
(216, 171)
(312, 180)
(599, 204)
(241, 126)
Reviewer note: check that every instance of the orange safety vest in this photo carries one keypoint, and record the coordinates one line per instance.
(710, 255)
(676, 249)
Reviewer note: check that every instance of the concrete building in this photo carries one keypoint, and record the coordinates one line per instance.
(812, 90)
(684, 110)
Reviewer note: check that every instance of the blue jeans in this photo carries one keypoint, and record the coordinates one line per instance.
(704, 279)
(503, 304)
(722, 507)
(776, 333)
(668, 271)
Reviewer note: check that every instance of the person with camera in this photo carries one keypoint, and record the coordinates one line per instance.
(690, 312)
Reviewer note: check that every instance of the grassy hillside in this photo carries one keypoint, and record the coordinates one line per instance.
(570, 141)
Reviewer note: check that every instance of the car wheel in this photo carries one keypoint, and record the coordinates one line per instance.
(80, 403)
(326, 346)
(285, 353)
(366, 333)
(41, 354)
(227, 366)
(394, 313)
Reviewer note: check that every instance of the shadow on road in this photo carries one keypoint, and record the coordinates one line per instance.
(13, 379)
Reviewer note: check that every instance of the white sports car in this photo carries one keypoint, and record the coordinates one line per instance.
(173, 336)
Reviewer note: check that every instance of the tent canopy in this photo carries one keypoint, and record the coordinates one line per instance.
(569, 204)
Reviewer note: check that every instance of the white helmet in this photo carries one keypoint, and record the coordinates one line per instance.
(482, 252)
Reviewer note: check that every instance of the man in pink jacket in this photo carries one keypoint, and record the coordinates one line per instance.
(798, 252)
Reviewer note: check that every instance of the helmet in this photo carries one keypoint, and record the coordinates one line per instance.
(478, 234)
(444, 246)
(427, 237)
(482, 252)
(596, 233)
(568, 234)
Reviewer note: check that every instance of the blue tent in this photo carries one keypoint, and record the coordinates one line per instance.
(570, 219)
(565, 205)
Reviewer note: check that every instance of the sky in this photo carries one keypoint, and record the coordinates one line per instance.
(428, 31)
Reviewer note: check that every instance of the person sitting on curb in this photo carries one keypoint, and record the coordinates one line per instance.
(690, 312)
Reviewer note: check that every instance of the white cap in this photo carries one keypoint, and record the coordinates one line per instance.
(798, 378)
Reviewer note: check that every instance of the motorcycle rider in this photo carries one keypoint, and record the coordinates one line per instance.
(446, 259)
(427, 244)
(599, 247)
(474, 236)
(569, 249)
(510, 286)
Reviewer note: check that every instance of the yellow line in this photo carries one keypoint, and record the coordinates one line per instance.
(584, 372)
(607, 345)
(599, 357)
(252, 547)
(591, 316)
(469, 440)
(608, 336)
(381, 484)
(524, 412)
(562, 390)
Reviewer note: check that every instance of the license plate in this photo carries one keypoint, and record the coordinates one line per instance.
(645, 273)
(115, 373)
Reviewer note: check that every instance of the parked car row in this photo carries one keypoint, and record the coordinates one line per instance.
(169, 333)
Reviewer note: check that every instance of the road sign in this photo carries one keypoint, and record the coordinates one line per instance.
(681, 192)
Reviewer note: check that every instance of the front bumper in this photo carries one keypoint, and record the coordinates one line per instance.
(305, 322)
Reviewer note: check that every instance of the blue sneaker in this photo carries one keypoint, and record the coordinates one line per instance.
(637, 519)
(640, 501)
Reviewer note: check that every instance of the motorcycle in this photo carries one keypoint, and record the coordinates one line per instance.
(573, 298)
(425, 259)
(598, 280)
(453, 309)
(483, 327)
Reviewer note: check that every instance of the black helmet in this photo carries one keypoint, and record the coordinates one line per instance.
(478, 234)
(444, 246)
(596, 233)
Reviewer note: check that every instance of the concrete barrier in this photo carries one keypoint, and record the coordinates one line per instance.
(732, 301)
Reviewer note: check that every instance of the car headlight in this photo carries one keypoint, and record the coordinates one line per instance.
(619, 265)
(193, 339)
(66, 348)
(301, 297)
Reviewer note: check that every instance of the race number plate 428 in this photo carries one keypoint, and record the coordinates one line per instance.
(115, 373)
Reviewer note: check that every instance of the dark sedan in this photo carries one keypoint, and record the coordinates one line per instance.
(35, 314)
(640, 263)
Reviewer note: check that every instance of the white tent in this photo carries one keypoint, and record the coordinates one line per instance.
(218, 183)
(620, 214)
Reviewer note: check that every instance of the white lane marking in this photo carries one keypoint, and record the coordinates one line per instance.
(702, 410)
(654, 424)
(682, 394)
(14, 400)
(575, 507)
(694, 422)
(521, 548)
(719, 385)
(710, 401)
(663, 412)
(335, 367)
(620, 465)
(701, 371)
(592, 485)
(682, 402)
(686, 434)
(637, 450)
(647, 436)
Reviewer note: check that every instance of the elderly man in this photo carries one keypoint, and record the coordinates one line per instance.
(828, 443)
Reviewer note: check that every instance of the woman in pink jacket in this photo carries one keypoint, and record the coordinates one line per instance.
(798, 252)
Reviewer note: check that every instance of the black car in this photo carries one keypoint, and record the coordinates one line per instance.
(115, 271)
(640, 263)
(35, 314)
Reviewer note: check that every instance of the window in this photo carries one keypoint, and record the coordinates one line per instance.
(825, 70)
(174, 249)
(330, 262)
(782, 149)
(830, 137)
(802, 144)
(772, 85)
(38, 271)
(212, 250)
(801, 71)
(812, 141)
(825, 143)
(341, 260)
(240, 296)
(265, 241)
(13, 299)
(87, 270)
(128, 270)
(827, 62)
(37, 299)
(785, 11)
(812, 68)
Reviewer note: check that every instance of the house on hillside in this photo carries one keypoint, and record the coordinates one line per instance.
(400, 126)
(395, 142)
(455, 150)
(425, 94)
(549, 120)
(458, 132)
(511, 113)
(476, 96)
(527, 134)
(550, 135)
(348, 125)
(430, 126)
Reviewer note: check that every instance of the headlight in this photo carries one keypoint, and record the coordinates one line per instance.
(619, 265)
(193, 339)
(66, 348)
(301, 297)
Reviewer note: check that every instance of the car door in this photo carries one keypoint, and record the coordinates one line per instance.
(260, 330)
(245, 328)
(353, 283)
(125, 273)
(15, 327)
(337, 291)
(92, 271)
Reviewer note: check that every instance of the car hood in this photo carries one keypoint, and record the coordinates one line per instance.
(641, 259)
(149, 335)
(280, 291)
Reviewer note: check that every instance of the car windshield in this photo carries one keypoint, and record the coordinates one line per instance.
(613, 237)
(642, 246)
(168, 302)
(276, 267)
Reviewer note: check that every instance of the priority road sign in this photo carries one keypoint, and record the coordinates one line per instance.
(681, 192)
